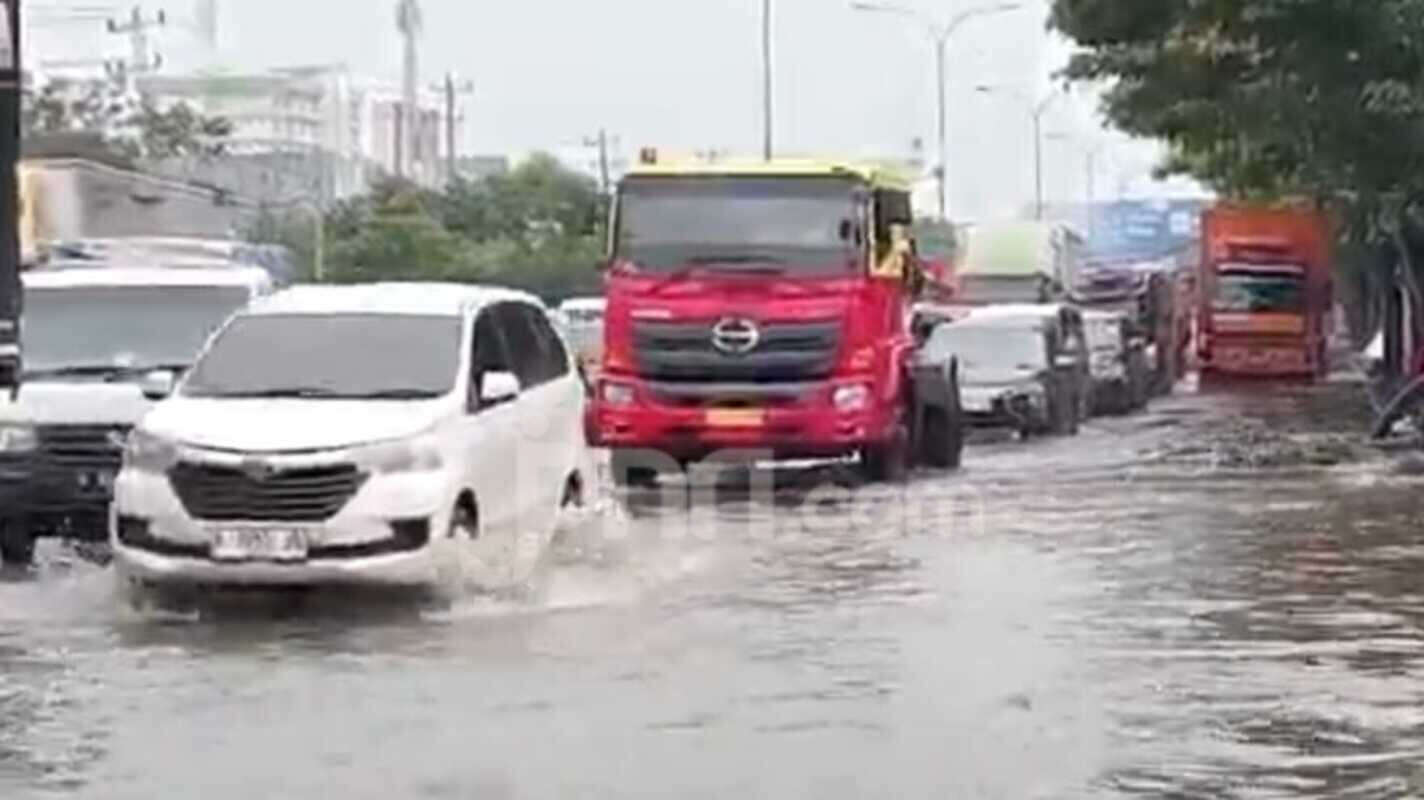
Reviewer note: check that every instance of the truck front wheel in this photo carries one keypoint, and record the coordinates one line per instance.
(943, 445)
(17, 544)
(888, 462)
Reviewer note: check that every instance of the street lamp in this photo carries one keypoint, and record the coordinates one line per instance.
(940, 34)
(766, 78)
(1036, 111)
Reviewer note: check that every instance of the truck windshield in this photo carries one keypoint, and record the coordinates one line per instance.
(789, 225)
(122, 327)
(331, 356)
(1259, 291)
(989, 353)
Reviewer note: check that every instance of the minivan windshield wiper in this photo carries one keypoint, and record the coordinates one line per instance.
(404, 393)
(107, 371)
(275, 393)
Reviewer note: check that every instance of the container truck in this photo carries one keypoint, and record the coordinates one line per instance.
(1264, 292)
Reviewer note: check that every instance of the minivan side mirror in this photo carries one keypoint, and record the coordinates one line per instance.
(498, 387)
(158, 384)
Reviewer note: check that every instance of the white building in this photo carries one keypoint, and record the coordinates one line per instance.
(330, 130)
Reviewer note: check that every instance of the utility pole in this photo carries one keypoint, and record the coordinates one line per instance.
(766, 79)
(605, 179)
(141, 58)
(399, 139)
(451, 88)
(10, 291)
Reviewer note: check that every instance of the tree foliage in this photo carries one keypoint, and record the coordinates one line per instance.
(1272, 99)
(130, 126)
(539, 228)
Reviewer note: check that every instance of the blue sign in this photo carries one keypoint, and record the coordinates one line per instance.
(1143, 229)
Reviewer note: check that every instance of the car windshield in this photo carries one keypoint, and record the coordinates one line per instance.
(351, 356)
(989, 353)
(122, 327)
(785, 224)
(1259, 291)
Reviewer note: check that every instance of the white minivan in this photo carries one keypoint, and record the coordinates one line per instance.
(387, 434)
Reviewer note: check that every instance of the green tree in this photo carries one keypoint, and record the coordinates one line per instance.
(1271, 99)
(129, 126)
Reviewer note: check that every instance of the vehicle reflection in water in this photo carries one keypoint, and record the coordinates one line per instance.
(1120, 615)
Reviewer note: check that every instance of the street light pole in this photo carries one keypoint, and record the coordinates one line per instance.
(766, 78)
(1035, 113)
(1037, 165)
(941, 36)
(941, 173)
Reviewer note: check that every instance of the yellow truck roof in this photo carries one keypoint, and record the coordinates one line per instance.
(877, 175)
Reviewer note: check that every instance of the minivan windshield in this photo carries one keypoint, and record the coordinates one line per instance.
(990, 353)
(337, 356)
(781, 224)
(120, 328)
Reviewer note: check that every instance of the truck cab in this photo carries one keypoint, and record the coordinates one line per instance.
(1265, 292)
(101, 346)
(760, 307)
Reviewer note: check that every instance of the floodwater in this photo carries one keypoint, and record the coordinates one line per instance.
(1111, 616)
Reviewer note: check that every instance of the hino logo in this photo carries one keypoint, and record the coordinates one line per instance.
(735, 336)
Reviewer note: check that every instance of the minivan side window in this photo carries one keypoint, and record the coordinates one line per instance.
(490, 353)
(525, 350)
(556, 357)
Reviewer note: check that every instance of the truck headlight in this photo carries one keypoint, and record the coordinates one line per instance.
(18, 439)
(616, 394)
(416, 455)
(148, 452)
(847, 399)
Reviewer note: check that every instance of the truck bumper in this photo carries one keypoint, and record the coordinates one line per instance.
(789, 422)
(1261, 360)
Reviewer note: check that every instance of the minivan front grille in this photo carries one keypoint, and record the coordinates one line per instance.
(298, 494)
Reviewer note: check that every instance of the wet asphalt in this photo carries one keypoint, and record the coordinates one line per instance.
(1136, 612)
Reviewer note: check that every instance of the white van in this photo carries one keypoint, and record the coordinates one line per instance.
(99, 345)
(386, 434)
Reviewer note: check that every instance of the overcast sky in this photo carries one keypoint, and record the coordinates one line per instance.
(686, 74)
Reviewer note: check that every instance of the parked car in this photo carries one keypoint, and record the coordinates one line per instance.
(100, 345)
(1067, 341)
(1117, 364)
(407, 435)
(1011, 373)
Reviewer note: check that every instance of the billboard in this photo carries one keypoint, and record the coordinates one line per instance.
(1141, 230)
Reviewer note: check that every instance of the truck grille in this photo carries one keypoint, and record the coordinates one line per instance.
(787, 351)
(225, 493)
(83, 447)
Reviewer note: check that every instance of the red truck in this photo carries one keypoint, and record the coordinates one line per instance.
(1265, 292)
(764, 308)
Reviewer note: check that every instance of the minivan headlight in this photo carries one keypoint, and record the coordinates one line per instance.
(414, 455)
(148, 452)
(16, 439)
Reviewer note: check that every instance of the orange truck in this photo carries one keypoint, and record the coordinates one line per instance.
(1264, 292)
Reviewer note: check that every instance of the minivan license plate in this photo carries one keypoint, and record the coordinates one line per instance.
(259, 544)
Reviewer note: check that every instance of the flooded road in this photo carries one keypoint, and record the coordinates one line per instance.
(1122, 615)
